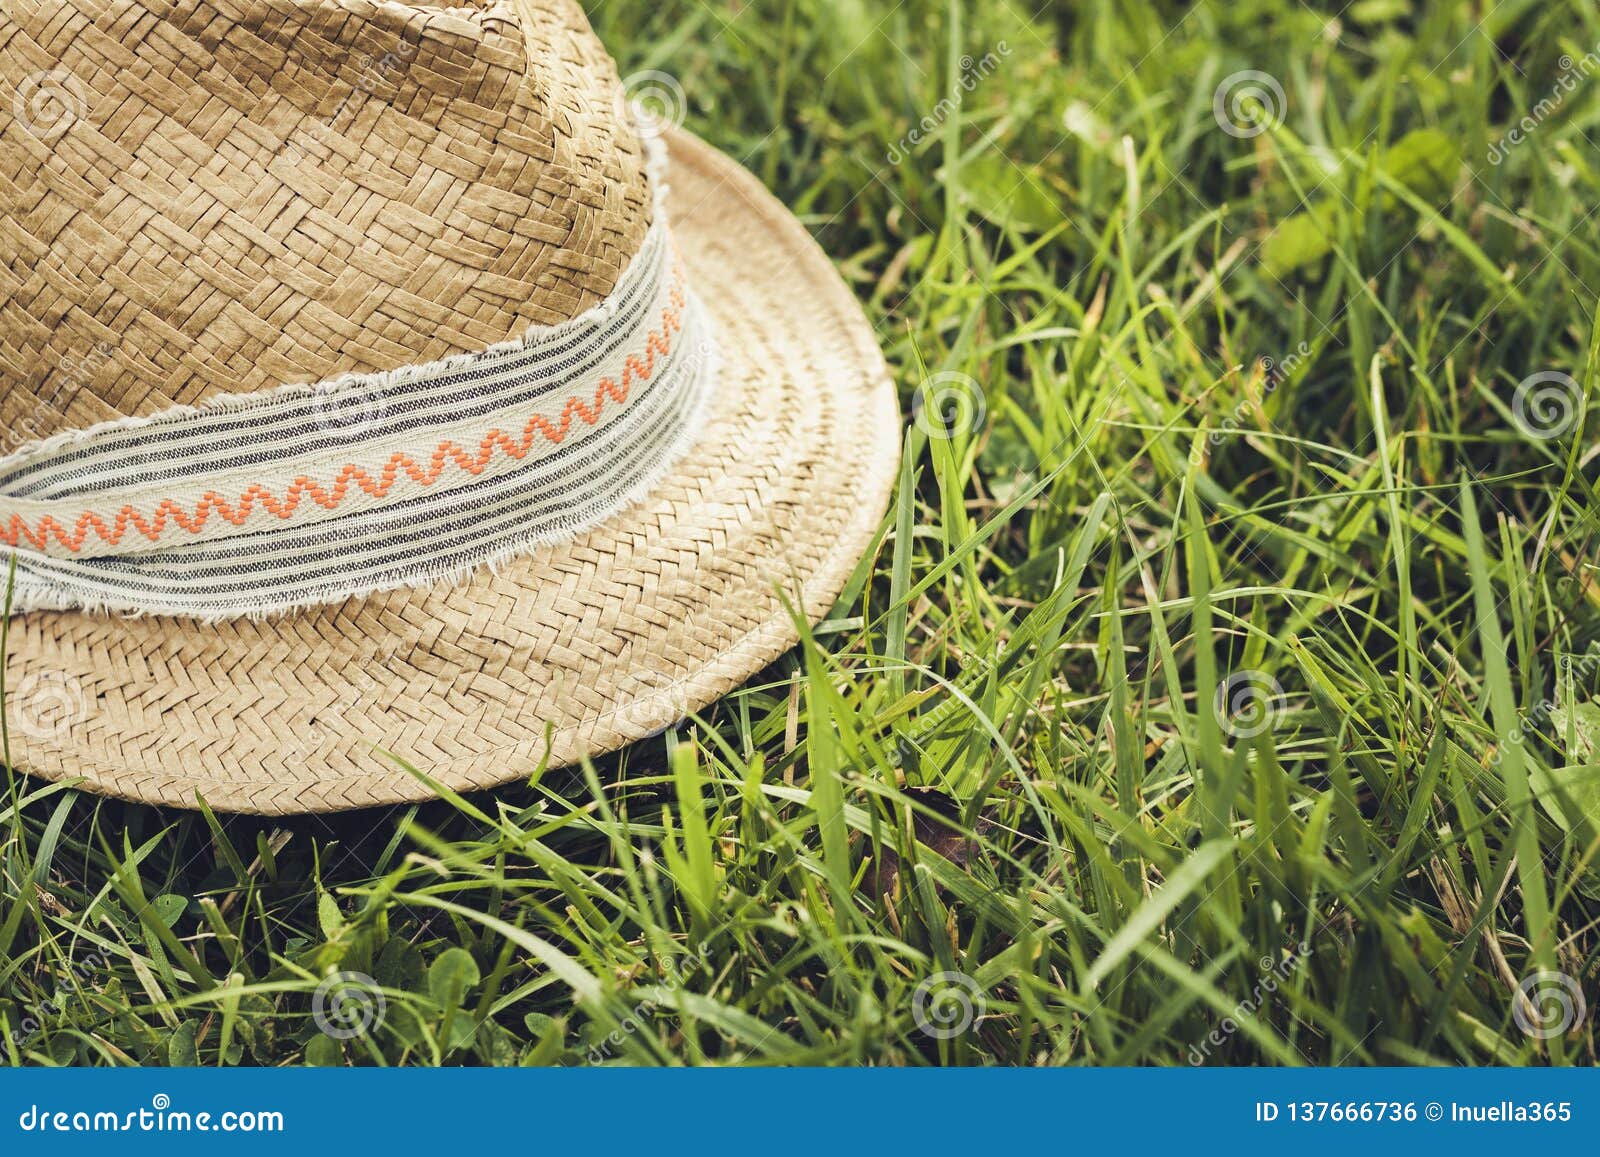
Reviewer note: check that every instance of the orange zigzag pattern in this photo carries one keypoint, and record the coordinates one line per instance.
(656, 344)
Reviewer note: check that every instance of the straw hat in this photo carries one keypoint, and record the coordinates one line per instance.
(377, 387)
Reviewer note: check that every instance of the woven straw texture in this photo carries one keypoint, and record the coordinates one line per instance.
(210, 196)
(444, 212)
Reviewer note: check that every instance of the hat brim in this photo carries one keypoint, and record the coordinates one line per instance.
(569, 651)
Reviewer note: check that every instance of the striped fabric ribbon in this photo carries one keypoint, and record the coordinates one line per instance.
(305, 495)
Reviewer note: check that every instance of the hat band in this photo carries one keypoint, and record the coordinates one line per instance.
(307, 495)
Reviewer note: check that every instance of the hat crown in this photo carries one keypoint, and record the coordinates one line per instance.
(204, 197)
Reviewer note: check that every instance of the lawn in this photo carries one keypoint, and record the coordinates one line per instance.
(1224, 687)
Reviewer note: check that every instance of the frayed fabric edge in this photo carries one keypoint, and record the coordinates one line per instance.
(31, 595)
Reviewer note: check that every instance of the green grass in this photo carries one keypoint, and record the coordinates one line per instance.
(1001, 757)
